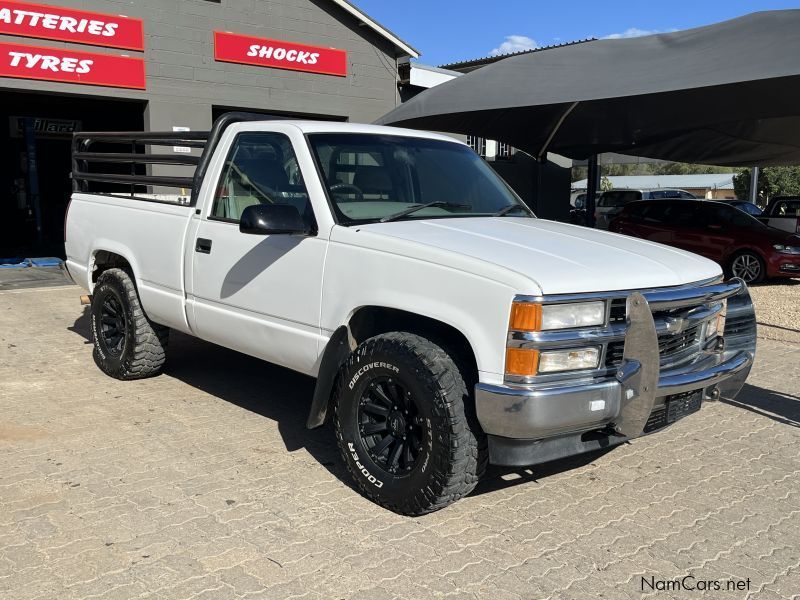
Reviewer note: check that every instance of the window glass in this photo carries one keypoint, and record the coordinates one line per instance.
(370, 177)
(617, 198)
(655, 213)
(681, 215)
(719, 214)
(787, 208)
(261, 169)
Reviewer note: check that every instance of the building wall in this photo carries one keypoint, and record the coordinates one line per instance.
(184, 81)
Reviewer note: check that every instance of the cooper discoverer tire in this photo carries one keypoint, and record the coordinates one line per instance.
(127, 345)
(403, 427)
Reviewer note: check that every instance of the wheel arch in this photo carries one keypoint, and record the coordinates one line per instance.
(369, 321)
(110, 256)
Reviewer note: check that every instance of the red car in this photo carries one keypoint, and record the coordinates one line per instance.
(741, 244)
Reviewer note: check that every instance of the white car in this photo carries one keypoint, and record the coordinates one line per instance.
(447, 326)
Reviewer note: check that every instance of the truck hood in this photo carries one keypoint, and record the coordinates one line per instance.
(558, 258)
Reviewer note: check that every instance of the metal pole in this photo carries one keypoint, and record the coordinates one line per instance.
(754, 172)
(29, 125)
(592, 184)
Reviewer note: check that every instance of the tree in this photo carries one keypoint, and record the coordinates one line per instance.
(772, 181)
(605, 184)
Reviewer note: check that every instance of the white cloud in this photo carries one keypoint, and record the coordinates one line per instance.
(514, 43)
(632, 32)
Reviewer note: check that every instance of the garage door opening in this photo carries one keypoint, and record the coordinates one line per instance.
(35, 163)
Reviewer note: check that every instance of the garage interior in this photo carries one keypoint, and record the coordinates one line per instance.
(35, 163)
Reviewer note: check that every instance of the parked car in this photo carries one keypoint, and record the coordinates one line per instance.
(446, 326)
(783, 212)
(744, 246)
(611, 202)
(743, 205)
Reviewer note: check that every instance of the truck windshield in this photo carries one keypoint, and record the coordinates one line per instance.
(383, 177)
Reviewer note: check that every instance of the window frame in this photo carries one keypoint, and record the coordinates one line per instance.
(223, 172)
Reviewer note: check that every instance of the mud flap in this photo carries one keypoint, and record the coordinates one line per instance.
(740, 335)
(638, 374)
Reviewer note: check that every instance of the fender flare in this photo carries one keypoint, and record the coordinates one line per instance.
(336, 352)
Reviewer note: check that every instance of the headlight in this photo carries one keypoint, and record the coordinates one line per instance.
(569, 360)
(578, 314)
(787, 249)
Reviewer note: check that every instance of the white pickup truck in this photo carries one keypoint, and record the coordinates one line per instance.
(446, 325)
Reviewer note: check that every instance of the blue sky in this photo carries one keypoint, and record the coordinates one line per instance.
(453, 30)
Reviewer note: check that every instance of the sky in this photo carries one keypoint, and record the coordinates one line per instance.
(446, 31)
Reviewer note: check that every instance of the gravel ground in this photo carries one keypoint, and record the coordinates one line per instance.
(778, 309)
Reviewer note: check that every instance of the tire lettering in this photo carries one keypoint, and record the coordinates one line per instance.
(96, 337)
(371, 478)
(365, 368)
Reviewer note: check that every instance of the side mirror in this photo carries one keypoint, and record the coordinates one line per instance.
(580, 203)
(266, 219)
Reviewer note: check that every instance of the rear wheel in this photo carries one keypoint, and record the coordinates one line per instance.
(127, 345)
(401, 423)
(748, 266)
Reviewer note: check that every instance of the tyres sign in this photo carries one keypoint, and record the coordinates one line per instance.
(69, 25)
(247, 50)
(70, 66)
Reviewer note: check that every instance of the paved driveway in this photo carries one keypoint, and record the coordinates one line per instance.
(203, 483)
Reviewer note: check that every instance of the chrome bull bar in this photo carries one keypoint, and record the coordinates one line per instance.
(629, 396)
(639, 375)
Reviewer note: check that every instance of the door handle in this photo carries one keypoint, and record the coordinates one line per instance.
(203, 246)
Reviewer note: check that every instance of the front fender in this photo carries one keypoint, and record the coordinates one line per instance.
(476, 306)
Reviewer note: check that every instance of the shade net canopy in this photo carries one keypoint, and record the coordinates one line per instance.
(726, 94)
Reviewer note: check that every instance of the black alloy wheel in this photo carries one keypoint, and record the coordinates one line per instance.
(113, 325)
(391, 426)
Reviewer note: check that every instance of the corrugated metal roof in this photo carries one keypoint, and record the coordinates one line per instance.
(480, 62)
(710, 181)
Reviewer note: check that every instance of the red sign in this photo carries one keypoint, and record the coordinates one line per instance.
(247, 50)
(69, 25)
(70, 66)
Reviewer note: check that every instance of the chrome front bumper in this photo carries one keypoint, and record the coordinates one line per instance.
(622, 403)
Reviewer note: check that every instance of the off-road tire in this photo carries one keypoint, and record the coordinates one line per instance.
(453, 452)
(143, 349)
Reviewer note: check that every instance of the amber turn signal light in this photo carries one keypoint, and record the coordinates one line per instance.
(522, 362)
(525, 316)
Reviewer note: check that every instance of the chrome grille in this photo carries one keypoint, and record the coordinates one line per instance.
(670, 346)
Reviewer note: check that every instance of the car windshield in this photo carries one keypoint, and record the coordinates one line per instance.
(377, 177)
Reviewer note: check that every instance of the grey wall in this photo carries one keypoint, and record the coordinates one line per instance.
(184, 81)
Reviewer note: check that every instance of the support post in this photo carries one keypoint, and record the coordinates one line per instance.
(592, 185)
(754, 173)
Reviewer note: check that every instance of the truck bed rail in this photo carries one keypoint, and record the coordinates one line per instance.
(93, 165)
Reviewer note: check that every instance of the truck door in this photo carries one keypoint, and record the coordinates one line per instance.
(258, 294)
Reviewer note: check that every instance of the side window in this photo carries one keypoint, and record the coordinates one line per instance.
(261, 168)
(682, 216)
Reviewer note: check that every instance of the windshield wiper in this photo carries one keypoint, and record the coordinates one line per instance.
(413, 209)
(508, 209)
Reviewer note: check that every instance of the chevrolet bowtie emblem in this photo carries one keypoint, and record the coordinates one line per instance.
(675, 325)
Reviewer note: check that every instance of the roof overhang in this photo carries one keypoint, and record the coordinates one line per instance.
(362, 17)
